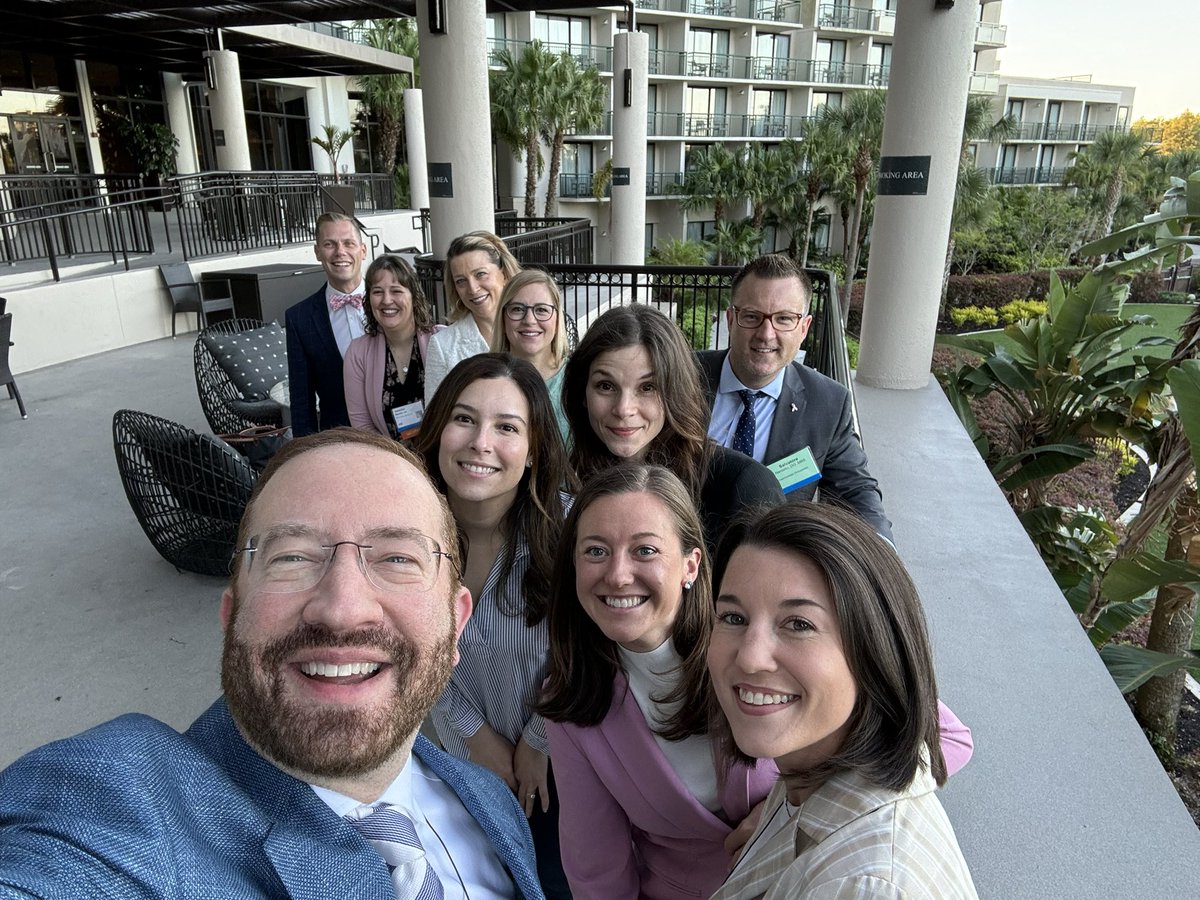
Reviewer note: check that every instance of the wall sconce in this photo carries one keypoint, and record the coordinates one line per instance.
(210, 73)
(437, 16)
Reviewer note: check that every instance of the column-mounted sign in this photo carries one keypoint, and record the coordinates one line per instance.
(219, 137)
(441, 181)
(903, 175)
(620, 176)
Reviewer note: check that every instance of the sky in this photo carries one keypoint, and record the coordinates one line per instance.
(1153, 45)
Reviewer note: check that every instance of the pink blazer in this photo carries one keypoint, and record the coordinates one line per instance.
(629, 827)
(362, 373)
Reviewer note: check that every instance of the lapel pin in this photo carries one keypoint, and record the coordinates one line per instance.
(793, 407)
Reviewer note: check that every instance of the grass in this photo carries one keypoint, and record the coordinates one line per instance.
(1168, 317)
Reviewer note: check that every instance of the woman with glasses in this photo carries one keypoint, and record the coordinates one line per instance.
(478, 265)
(491, 445)
(384, 370)
(532, 326)
(820, 660)
(632, 392)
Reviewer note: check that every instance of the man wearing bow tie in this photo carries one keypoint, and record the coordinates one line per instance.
(321, 327)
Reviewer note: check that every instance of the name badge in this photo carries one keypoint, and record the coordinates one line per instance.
(796, 471)
(408, 419)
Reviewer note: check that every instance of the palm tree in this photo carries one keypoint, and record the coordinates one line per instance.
(711, 179)
(823, 162)
(735, 242)
(333, 142)
(384, 93)
(575, 102)
(859, 123)
(973, 189)
(520, 94)
(763, 175)
(1114, 160)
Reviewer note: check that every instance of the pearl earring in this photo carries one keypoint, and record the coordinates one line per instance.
(687, 585)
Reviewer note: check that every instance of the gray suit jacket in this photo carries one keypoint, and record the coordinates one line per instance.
(814, 412)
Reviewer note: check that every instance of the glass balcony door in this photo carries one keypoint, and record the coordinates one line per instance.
(42, 145)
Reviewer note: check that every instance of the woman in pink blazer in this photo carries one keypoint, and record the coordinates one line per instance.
(384, 370)
(650, 807)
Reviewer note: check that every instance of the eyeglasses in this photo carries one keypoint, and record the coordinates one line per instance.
(780, 321)
(288, 564)
(543, 312)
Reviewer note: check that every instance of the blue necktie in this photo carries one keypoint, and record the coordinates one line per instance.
(392, 834)
(743, 435)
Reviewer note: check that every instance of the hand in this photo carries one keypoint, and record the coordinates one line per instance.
(736, 842)
(531, 770)
(493, 752)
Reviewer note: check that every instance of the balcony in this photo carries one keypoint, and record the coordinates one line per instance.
(579, 185)
(1026, 176)
(1057, 131)
(853, 18)
(589, 56)
(727, 125)
(984, 83)
(604, 128)
(860, 74)
(991, 34)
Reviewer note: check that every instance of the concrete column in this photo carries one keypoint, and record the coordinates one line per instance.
(927, 98)
(414, 139)
(627, 236)
(229, 112)
(458, 131)
(179, 117)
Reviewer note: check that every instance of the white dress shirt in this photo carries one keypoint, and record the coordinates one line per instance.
(348, 323)
(728, 406)
(455, 844)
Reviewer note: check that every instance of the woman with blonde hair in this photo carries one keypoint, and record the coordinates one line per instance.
(532, 326)
(478, 265)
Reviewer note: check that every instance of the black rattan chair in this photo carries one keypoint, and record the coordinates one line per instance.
(189, 295)
(6, 376)
(226, 408)
(187, 490)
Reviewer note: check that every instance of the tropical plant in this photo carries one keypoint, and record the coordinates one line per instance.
(332, 143)
(383, 93)
(762, 174)
(152, 145)
(1106, 168)
(711, 179)
(575, 102)
(859, 123)
(733, 243)
(674, 252)
(821, 159)
(520, 97)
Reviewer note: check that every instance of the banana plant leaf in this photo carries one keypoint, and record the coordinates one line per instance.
(1131, 666)
(1115, 618)
(1185, 385)
(1129, 579)
(1030, 465)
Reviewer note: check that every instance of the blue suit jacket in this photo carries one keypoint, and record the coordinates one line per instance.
(314, 367)
(132, 809)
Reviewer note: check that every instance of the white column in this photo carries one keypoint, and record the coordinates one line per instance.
(414, 140)
(458, 130)
(926, 102)
(627, 237)
(228, 113)
(179, 117)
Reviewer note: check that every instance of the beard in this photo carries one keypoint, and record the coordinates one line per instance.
(331, 741)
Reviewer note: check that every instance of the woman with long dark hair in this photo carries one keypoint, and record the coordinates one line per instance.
(491, 444)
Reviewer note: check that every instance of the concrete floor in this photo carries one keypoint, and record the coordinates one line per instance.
(95, 622)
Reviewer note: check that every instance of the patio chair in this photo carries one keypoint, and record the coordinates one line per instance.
(187, 490)
(237, 362)
(6, 375)
(189, 295)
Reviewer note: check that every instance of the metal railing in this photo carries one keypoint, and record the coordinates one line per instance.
(589, 56)
(992, 33)
(1026, 175)
(1058, 131)
(579, 184)
(727, 125)
(114, 224)
(853, 18)
(36, 191)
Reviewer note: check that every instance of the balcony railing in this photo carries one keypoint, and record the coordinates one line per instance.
(853, 18)
(605, 126)
(984, 83)
(579, 184)
(762, 10)
(1026, 175)
(726, 125)
(991, 33)
(1057, 131)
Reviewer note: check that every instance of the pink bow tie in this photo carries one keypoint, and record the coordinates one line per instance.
(337, 301)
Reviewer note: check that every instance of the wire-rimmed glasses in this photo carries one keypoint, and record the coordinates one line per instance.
(288, 562)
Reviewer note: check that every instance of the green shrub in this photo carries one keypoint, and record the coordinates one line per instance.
(1176, 297)
(852, 350)
(1016, 310)
(1144, 287)
(697, 324)
(975, 315)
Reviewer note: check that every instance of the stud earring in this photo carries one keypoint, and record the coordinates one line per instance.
(687, 585)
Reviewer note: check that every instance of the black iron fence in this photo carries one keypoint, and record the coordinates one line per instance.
(31, 192)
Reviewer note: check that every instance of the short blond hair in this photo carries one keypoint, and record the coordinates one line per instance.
(520, 281)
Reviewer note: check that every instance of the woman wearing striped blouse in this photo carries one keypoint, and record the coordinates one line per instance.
(491, 442)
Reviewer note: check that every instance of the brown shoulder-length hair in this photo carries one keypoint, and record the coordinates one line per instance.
(485, 242)
(538, 511)
(403, 273)
(583, 662)
(895, 720)
(518, 283)
(683, 445)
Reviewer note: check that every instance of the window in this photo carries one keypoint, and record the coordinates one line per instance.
(701, 231)
(708, 52)
(1008, 157)
(825, 98)
(575, 178)
(649, 242)
(1045, 162)
(771, 56)
(705, 112)
(880, 64)
(1016, 109)
(768, 110)
(568, 32)
(830, 61)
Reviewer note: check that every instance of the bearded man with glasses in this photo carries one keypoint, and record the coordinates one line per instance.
(772, 407)
(308, 779)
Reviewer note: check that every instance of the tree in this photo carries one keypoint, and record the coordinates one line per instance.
(762, 173)
(735, 242)
(1038, 224)
(1112, 162)
(859, 123)
(384, 93)
(1179, 133)
(520, 97)
(333, 142)
(711, 179)
(575, 101)
(822, 163)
